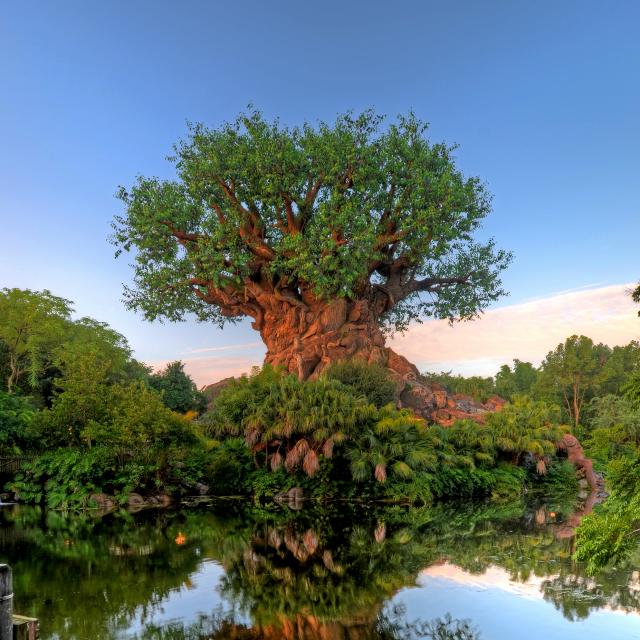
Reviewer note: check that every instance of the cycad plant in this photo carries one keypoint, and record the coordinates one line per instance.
(397, 443)
(295, 423)
(526, 426)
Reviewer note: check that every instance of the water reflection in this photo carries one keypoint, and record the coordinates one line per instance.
(314, 574)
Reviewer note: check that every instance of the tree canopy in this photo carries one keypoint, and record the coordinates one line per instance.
(354, 209)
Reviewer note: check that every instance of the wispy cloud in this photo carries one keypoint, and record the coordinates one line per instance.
(527, 331)
(228, 347)
(208, 370)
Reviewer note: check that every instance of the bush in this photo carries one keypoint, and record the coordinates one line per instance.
(229, 467)
(16, 415)
(371, 381)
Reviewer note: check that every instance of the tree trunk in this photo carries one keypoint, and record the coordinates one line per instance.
(305, 340)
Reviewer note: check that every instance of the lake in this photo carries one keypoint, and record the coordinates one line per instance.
(229, 569)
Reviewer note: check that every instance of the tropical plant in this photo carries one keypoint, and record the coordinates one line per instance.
(526, 426)
(370, 380)
(16, 415)
(294, 423)
(396, 443)
(611, 533)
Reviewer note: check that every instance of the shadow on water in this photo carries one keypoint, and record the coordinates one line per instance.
(317, 574)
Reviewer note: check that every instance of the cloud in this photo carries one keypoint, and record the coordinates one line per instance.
(208, 370)
(229, 347)
(526, 331)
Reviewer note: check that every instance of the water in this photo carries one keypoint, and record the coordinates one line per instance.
(230, 570)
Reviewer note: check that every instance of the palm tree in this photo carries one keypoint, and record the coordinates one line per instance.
(397, 443)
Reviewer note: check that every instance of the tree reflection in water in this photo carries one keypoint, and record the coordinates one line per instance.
(388, 625)
(317, 574)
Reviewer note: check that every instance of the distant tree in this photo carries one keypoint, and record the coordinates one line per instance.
(478, 387)
(635, 295)
(31, 326)
(324, 236)
(178, 390)
(621, 362)
(572, 373)
(518, 380)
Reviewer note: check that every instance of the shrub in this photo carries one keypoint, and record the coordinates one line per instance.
(371, 381)
(16, 415)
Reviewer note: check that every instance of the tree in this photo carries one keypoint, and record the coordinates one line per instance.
(477, 387)
(31, 324)
(179, 391)
(573, 372)
(325, 236)
(635, 295)
(518, 380)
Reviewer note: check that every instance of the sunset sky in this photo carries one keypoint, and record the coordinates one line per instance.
(93, 94)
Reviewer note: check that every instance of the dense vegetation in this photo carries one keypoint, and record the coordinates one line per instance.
(597, 389)
(93, 420)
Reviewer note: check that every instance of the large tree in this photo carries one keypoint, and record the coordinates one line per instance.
(31, 325)
(326, 236)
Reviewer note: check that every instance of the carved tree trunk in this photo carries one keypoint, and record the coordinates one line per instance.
(305, 340)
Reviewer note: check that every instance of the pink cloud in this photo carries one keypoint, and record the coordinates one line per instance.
(208, 370)
(527, 331)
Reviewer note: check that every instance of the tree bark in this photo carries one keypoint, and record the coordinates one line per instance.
(306, 339)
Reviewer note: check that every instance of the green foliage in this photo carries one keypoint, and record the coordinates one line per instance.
(611, 533)
(526, 426)
(397, 444)
(65, 477)
(179, 391)
(229, 467)
(558, 483)
(371, 381)
(318, 212)
(16, 415)
(477, 387)
(288, 422)
(614, 428)
(31, 325)
(519, 380)
(572, 373)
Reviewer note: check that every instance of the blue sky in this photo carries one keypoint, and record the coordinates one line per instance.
(543, 99)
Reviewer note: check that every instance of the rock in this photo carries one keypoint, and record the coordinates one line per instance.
(575, 455)
(583, 483)
(102, 501)
(135, 500)
(201, 489)
(212, 391)
(294, 498)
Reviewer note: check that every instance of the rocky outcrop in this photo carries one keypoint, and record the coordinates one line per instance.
(212, 391)
(575, 455)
